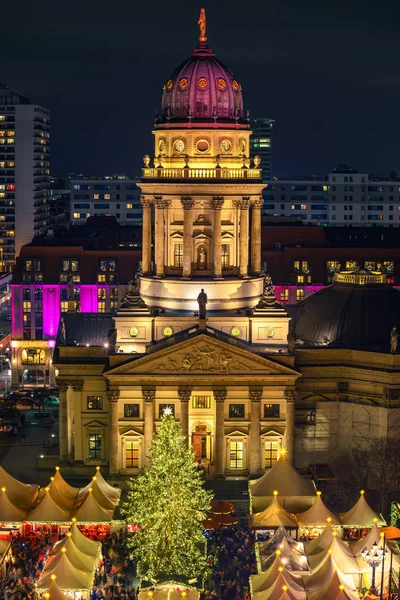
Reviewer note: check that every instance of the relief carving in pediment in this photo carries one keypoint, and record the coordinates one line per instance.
(204, 357)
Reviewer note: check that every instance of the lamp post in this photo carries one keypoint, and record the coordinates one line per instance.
(374, 557)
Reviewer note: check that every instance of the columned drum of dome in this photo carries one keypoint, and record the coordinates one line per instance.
(205, 191)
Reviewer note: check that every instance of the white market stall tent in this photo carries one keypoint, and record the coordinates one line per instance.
(296, 493)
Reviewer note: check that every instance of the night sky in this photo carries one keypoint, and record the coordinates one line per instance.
(327, 72)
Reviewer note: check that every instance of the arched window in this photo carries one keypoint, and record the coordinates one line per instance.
(33, 356)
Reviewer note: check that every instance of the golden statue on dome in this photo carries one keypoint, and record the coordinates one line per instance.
(203, 24)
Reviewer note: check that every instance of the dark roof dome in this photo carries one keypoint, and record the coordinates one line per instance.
(358, 311)
(202, 89)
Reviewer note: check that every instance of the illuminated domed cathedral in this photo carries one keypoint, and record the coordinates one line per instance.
(199, 329)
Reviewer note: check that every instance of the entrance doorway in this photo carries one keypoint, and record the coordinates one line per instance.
(201, 443)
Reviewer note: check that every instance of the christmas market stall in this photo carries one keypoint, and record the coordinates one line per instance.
(72, 563)
(297, 494)
(54, 593)
(263, 581)
(327, 581)
(312, 521)
(359, 517)
(273, 516)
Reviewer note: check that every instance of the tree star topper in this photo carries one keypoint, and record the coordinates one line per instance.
(203, 24)
(167, 412)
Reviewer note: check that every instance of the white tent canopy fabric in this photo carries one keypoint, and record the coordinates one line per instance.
(263, 581)
(20, 494)
(274, 516)
(317, 515)
(83, 543)
(294, 589)
(9, 513)
(341, 554)
(361, 515)
(56, 593)
(59, 502)
(296, 493)
(184, 594)
(68, 577)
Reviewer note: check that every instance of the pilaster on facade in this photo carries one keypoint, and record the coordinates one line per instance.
(255, 396)
(149, 396)
(219, 397)
(184, 397)
(290, 396)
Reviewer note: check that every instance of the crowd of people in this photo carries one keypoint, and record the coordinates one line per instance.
(26, 564)
(230, 555)
(232, 560)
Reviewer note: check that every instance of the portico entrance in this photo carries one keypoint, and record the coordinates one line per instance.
(201, 443)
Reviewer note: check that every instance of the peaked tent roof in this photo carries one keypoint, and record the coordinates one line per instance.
(272, 544)
(68, 577)
(101, 498)
(63, 494)
(323, 574)
(83, 543)
(317, 514)
(346, 595)
(91, 511)
(262, 581)
(361, 515)
(9, 513)
(21, 495)
(322, 542)
(107, 489)
(330, 589)
(373, 536)
(274, 516)
(274, 592)
(341, 554)
(56, 593)
(47, 511)
(284, 478)
(80, 560)
(184, 594)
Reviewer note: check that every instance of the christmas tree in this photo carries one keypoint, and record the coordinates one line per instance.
(168, 503)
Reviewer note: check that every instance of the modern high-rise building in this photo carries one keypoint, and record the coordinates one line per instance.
(24, 173)
(261, 144)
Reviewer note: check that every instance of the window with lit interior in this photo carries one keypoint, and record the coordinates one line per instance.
(95, 445)
(236, 455)
(201, 401)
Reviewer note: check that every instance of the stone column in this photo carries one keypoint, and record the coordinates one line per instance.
(74, 409)
(255, 398)
(217, 203)
(113, 462)
(256, 236)
(243, 205)
(148, 397)
(146, 235)
(187, 204)
(184, 397)
(159, 237)
(63, 386)
(219, 396)
(290, 396)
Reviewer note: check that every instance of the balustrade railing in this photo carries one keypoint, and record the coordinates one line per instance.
(188, 173)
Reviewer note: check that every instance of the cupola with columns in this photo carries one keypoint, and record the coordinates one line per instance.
(204, 193)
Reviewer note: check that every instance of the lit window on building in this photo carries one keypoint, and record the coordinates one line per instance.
(351, 265)
(102, 293)
(201, 401)
(300, 294)
(95, 445)
(178, 255)
(95, 402)
(131, 454)
(271, 450)
(235, 455)
(33, 356)
(236, 411)
(132, 411)
(64, 306)
(333, 266)
(225, 261)
(284, 295)
(272, 411)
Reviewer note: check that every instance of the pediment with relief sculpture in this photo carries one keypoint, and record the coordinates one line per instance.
(202, 355)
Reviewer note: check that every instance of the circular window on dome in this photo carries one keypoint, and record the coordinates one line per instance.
(221, 84)
(168, 331)
(235, 85)
(184, 83)
(169, 85)
(202, 145)
(202, 83)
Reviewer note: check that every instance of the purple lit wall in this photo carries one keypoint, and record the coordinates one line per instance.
(51, 309)
(292, 289)
(88, 298)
